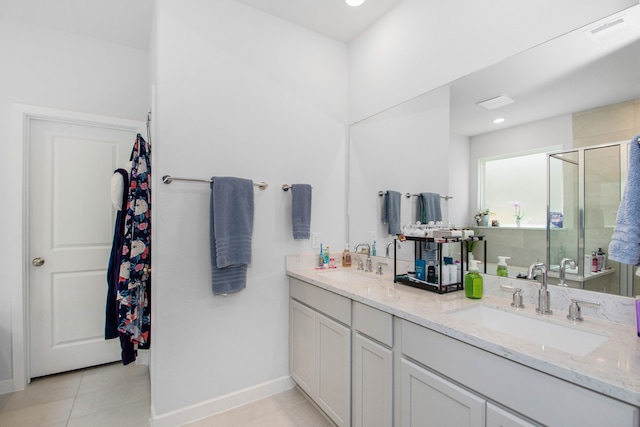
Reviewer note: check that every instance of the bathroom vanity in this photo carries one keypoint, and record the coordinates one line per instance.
(371, 352)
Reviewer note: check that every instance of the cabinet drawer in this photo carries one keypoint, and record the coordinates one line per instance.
(374, 323)
(333, 305)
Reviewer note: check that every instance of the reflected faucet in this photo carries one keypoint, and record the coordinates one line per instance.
(369, 263)
(389, 244)
(563, 266)
(543, 292)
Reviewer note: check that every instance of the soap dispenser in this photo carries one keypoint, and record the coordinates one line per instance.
(473, 281)
(502, 266)
(346, 256)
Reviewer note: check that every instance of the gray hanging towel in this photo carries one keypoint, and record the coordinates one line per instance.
(391, 211)
(429, 210)
(301, 210)
(231, 228)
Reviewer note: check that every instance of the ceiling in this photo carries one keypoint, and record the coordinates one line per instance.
(569, 74)
(333, 18)
(126, 22)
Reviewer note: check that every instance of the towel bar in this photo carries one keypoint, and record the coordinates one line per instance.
(286, 187)
(168, 179)
(407, 195)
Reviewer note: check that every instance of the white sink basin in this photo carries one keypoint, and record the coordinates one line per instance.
(345, 275)
(546, 333)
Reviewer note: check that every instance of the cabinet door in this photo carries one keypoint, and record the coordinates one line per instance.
(498, 417)
(334, 370)
(302, 346)
(373, 388)
(429, 400)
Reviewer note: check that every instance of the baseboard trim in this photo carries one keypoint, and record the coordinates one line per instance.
(221, 404)
(6, 386)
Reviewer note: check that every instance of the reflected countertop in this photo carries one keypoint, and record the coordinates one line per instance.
(612, 369)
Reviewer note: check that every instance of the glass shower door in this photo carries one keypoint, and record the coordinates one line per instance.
(603, 186)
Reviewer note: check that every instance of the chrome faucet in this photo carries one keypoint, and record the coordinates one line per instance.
(563, 266)
(543, 292)
(369, 262)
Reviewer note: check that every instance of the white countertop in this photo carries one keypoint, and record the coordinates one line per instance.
(613, 369)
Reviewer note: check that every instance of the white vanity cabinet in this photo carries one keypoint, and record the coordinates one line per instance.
(372, 367)
(366, 367)
(320, 348)
(526, 394)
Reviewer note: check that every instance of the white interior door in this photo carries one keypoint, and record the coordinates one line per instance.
(71, 222)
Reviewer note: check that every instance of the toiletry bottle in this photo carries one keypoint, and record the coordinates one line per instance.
(346, 256)
(502, 269)
(431, 273)
(373, 249)
(600, 256)
(321, 258)
(325, 257)
(421, 269)
(594, 262)
(473, 281)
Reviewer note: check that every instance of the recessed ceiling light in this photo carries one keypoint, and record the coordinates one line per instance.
(354, 2)
(499, 120)
(495, 102)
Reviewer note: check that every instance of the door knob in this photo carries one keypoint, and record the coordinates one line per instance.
(37, 261)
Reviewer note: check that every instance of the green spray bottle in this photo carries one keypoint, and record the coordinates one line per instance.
(473, 281)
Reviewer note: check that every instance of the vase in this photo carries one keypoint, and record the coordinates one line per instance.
(518, 222)
(484, 221)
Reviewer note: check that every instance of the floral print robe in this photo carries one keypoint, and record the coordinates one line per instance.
(134, 284)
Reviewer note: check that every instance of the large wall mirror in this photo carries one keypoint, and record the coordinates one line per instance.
(434, 141)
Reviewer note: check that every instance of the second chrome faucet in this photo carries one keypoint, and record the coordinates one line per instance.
(369, 262)
(544, 303)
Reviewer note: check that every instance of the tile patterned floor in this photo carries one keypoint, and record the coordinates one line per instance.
(106, 396)
(116, 395)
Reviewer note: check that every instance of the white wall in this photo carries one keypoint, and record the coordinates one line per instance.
(544, 133)
(52, 68)
(239, 93)
(420, 45)
(405, 151)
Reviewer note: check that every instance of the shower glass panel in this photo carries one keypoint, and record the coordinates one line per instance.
(602, 194)
(564, 210)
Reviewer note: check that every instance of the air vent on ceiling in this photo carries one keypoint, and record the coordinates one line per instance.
(495, 102)
(608, 29)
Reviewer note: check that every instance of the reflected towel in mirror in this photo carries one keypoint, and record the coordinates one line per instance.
(625, 241)
(391, 211)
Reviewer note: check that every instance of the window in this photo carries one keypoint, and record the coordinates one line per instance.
(517, 177)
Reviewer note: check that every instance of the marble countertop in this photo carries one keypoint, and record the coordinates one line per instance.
(612, 369)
